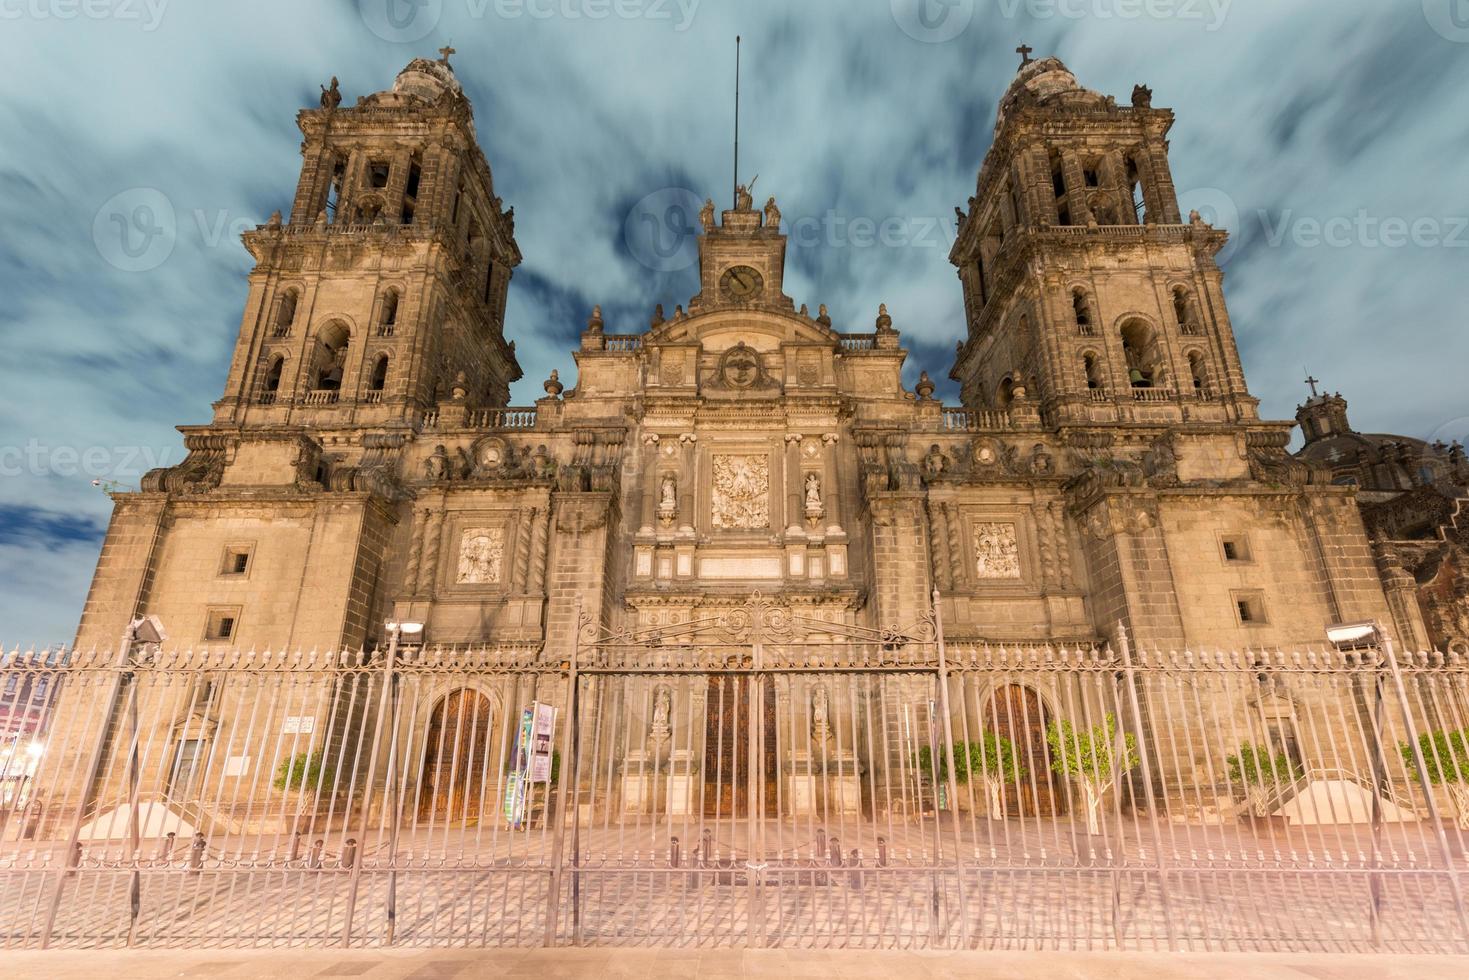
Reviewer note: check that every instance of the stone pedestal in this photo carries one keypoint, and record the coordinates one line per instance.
(648, 787)
(823, 782)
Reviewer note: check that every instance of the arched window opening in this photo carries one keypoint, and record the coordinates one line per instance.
(1198, 371)
(379, 374)
(1140, 351)
(331, 356)
(1135, 183)
(1183, 311)
(1058, 187)
(1093, 372)
(1081, 306)
(388, 319)
(271, 387)
(1006, 394)
(334, 187)
(285, 313)
(410, 191)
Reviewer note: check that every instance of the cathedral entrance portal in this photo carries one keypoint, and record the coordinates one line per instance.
(457, 759)
(1018, 713)
(729, 790)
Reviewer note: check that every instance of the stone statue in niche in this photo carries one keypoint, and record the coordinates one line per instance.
(935, 463)
(996, 551)
(662, 714)
(741, 492)
(814, 509)
(668, 499)
(820, 714)
(481, 556)
(436, 467)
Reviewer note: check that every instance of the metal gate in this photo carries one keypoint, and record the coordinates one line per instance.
(750, 778)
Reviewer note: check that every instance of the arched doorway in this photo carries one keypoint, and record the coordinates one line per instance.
(458, 762)
(1018, 713)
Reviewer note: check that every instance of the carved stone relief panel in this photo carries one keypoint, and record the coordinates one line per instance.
(996, 551)
(481, 556)
(741, 492)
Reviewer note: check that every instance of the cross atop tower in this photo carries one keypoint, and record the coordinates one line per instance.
(1025, 51)
(1313, 382)
(444, 53)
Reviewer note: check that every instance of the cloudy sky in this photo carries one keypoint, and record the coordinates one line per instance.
(1330, 136)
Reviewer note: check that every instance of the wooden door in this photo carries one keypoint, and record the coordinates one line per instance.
(457, 758)
(727, 746)
(1017, 713)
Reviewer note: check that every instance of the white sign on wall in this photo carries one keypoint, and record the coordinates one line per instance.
(299, 725)
(237, 765)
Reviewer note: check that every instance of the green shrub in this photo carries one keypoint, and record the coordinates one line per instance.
(306, 771)
(1255, 766)
(991, 757)
(1445, 756)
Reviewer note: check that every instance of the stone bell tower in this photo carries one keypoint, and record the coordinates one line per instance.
(386, 288)
(1084, 289)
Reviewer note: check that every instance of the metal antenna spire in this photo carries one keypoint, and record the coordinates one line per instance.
(735, 191)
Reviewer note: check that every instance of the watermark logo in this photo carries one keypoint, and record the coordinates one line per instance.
(679, 12)
(1218, 209)
(401, 21)
(1363, 230)
(1449, 18)
(36, 458)
(147, 13)
(662, 229)
(135, 230)
(932, 21)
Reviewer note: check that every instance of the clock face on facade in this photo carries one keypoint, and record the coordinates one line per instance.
(741, 282)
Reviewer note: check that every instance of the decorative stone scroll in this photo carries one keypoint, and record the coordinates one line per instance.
(741, 492)
(481, 556)
(996, 551)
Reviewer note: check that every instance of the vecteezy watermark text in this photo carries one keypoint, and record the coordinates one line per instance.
(36, 458)
(409, 21)
(147, 13)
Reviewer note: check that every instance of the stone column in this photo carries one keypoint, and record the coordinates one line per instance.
(793, 482)
(831, 497)
(650, 483)
(1071, 170)
(433, 535)
(538, 543)
(688, 480)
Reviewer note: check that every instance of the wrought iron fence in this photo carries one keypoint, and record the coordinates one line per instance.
(752, 778)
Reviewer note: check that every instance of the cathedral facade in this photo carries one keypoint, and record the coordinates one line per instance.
(1106, 466)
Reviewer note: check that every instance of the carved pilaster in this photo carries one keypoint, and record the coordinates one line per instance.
(433, 535)
(938, 534)
(522, 549)
(538, 551)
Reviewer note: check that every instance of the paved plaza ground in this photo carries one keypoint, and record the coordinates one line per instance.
(651, 964)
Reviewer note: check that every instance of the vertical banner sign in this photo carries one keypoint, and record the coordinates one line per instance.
(516, 781)
(542, 729)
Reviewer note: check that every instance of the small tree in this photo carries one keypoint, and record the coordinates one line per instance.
(1260, 773)
(992, 758)
(1446, 762)
(1090, 757)
(306, 771)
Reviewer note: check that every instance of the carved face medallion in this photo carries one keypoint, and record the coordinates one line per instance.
(741, 367)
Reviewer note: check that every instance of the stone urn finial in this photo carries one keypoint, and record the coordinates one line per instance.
(594, 322)
(884, 322)
(553, 385)
(924, 387)
(460, 388)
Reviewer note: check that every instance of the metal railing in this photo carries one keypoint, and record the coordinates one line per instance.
(752, 778)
